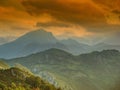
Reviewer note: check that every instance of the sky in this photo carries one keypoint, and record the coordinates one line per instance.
(88, 21)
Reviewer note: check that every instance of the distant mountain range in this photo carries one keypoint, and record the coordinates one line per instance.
(75, 47)
(91, 71)
(40, 40)
(30, 43)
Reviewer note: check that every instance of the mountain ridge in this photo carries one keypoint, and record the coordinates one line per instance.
(41, 40)
(29, 43)
(92, 71)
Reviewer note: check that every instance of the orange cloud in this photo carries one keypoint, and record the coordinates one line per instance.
(67, 32)
(78, 12)
(65, 18)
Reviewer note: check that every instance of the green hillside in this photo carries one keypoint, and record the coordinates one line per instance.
(92, 71)
(20, 79)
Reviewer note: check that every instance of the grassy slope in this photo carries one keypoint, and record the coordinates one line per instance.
(20, 78)
(93, 71)
(3, 65)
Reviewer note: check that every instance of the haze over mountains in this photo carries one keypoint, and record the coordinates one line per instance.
(29, 43)
(40, 40)
(91, 71)
(72, 44)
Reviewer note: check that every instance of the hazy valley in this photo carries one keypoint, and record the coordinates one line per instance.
(67, 64)
(59, 44)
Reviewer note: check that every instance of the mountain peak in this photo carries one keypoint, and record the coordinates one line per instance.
(56, 51)
(39, 36)
(39, 32)
(31, 42)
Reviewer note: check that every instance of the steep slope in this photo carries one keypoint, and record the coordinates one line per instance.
(17, 79)
(92, 71)
(30, 43)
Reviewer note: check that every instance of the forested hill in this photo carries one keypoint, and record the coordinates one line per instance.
(18, 79)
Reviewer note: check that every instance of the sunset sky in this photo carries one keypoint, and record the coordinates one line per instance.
(88, 21)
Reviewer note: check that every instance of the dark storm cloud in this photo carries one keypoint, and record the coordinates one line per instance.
(18, 28)
(105, 28)
(81, 13)
(53, 24)
(82, 18)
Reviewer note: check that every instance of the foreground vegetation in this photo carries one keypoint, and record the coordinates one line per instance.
(17, 79)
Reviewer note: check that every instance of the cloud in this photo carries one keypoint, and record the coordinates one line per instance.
(64, 18)
(67, 32)
(103, 29)
(110, 4)
(78, 13)
(52, 24)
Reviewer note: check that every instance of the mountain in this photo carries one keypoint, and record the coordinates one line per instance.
(30, 43)
(102, 67)
(19, 79)
(51, 56)
(75, 47)
(104, 46)
(40, 40)
(97, 59)
(90, 71)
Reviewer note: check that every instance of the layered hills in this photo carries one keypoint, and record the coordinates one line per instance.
(40, 40)
(91, 71)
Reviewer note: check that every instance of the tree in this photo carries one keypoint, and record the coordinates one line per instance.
(34, 82)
